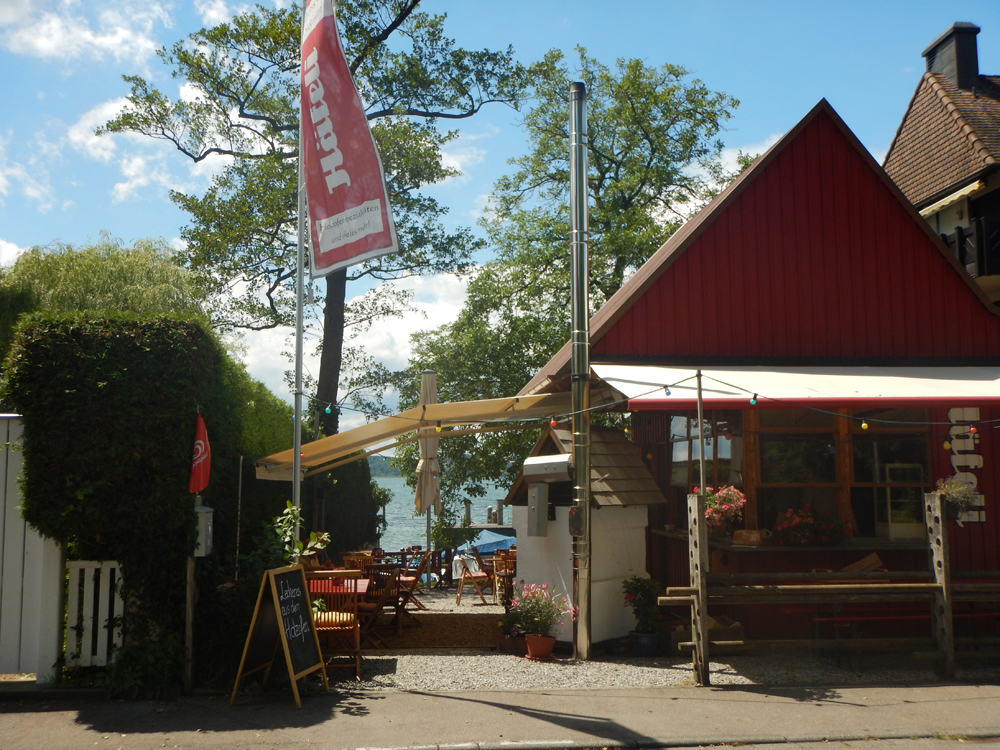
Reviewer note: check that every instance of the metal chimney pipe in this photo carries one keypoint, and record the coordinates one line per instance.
(580, 273)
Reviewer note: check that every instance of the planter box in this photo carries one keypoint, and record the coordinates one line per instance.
(724, 629)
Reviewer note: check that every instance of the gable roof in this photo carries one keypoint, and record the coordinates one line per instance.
(618, 475)
(947, 138)
(811, 255)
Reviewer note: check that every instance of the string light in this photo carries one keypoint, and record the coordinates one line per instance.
(972, 430)
(753, 401)
(328, 410)
(666, 390)
(552, 422)
(864, 424)
(438, 428)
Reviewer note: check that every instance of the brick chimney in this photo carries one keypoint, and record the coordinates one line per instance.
(953, 55)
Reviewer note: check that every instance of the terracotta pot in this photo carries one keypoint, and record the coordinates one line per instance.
(520, 645)
(540, 646)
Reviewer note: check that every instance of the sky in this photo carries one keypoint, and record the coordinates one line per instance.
(62, 62)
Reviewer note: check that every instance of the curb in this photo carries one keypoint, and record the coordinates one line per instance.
(654, 743)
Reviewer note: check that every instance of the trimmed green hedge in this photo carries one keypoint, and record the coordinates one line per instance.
(109, 418)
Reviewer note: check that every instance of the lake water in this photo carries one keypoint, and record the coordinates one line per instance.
(403, 530)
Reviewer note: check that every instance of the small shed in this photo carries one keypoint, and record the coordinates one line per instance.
(622, 489)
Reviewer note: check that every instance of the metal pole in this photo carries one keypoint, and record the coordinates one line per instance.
(299, 300)
(580, 273)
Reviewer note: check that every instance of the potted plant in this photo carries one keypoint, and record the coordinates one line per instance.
(958, 495)
(538, 610)
(511, 638)
(641, 595)
(723, 507)
(806, 526)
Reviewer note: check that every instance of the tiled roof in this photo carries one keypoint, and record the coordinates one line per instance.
(947, 137)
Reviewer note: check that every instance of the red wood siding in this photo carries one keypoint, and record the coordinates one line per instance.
(814, 258)
(977, 546)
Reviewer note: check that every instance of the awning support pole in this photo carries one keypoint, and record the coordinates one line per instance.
(580, 274)
(300, 269)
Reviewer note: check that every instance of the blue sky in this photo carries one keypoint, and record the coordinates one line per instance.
(61, 63)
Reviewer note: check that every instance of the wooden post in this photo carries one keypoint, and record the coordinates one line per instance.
(937, 538)
(189, 629)
(698, 563)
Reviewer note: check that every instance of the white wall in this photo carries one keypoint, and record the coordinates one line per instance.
(618, 540)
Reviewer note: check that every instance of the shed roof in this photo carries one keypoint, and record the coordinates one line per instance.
(618, 476)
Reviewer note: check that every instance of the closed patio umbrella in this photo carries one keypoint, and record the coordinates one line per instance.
(428, 487)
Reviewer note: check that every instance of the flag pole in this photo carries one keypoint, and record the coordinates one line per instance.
(299, 299)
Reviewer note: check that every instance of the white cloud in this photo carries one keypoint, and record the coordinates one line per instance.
(141, 171)
(122, 31)
(80, 134)
(9, 252)
(12, 11)
(213, 12)
(439, 300)
(462, 158)
(30, 180)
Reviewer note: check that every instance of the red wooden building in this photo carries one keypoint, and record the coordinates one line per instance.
(849, 362)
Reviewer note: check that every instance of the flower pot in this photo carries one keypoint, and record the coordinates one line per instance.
(520, 645)
(540, 646)
(505, 643)
(643, 644)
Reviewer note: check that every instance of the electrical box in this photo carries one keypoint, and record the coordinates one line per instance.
(548, 468)
(204, 546)
(538, 509)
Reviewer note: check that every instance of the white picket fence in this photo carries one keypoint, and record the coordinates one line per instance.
(93, 613)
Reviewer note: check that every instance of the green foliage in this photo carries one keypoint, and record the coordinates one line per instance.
(958, 492)
(287, 528)
(109, 419)
(653, 158)
(350, 505)
(106, 278)
(537, 609)
(641, 595)
(245, 74)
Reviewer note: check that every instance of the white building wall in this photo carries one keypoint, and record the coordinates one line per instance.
(618, 541)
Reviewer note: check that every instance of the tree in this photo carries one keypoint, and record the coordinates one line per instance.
(245, 78)
(653, 158)
(106, 277)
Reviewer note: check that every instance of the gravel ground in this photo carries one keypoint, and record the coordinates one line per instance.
(442, 669)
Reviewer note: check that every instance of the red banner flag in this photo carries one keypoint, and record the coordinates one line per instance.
(201, 462)
(350, 219)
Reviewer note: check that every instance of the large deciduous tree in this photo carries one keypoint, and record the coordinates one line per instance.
(239, 102)
(653, 158)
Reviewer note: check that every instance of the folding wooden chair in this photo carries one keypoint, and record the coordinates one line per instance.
(337, 623)
(408, 583)
(382, 594)
(480, 580)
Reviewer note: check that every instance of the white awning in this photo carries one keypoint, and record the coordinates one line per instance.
(820, 387)
(319, 455)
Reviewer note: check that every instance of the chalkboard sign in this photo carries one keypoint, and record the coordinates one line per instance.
(283, 616)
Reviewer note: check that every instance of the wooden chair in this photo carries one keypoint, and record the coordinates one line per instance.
(408, 584)
(337, 623)
(356, 561)
(488, 567)
(504, 573)
(382, 594)
(480, 580)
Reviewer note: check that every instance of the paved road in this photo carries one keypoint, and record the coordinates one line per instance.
(532, 720)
